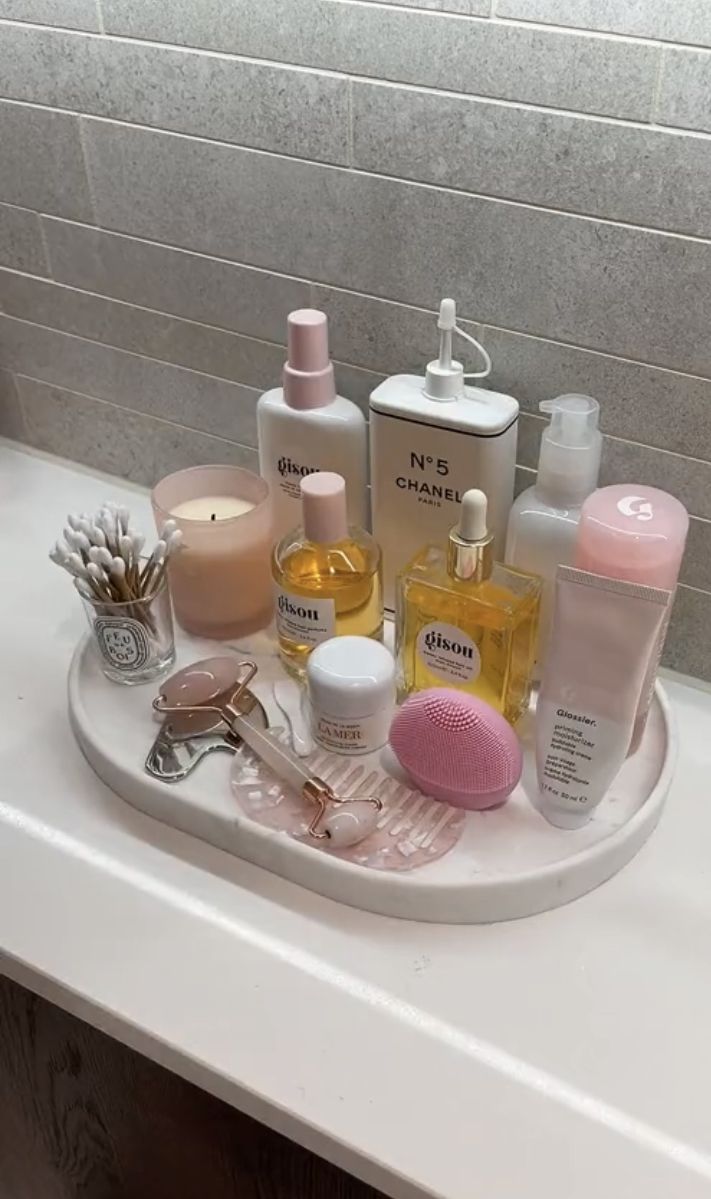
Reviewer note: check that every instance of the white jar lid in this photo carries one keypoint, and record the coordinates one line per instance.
(350, 676)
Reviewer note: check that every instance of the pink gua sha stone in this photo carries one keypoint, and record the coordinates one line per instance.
(211, 681)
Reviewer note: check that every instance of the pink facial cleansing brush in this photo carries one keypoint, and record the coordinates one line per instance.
(457, 748)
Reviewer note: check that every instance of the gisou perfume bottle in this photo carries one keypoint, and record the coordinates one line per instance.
(304, 427)
(327, 575)
(465, 621)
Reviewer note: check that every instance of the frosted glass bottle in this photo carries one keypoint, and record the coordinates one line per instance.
(543, 525)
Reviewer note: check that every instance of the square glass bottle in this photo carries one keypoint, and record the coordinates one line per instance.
(466, 622)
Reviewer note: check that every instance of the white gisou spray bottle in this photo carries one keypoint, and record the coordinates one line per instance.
(304, 427)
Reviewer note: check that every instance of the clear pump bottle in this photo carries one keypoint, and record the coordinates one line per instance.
(543, 525)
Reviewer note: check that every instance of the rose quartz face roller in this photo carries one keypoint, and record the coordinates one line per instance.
(219, 686)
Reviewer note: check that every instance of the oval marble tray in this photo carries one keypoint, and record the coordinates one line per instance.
(508, 863)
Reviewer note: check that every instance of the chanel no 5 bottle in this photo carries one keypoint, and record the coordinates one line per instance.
(468, 622)
(327, 575)
(432, 437)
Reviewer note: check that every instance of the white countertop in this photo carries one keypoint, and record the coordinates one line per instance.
(566, 1055)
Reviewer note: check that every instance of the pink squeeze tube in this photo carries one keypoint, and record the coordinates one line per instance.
(635, 533)
(604, 631)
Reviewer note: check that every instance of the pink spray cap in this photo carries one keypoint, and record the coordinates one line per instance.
(308, 375)
(323, 503)
(632, 532)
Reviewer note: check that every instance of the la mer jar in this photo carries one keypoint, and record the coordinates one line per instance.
(351, 682)
(220, 580)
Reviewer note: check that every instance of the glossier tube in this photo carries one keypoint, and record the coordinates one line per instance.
(604, 631)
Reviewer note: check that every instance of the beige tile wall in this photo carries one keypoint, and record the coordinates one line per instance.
(176, 175)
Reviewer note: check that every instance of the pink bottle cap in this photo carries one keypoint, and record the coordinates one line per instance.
(633, 532)
(323, 502)
(308, 375)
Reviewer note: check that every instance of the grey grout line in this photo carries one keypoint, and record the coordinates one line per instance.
(365, 370)
(206, 51)
(657, 90)
(24, 208)
(100, 17)
(688, 586)
(523, 105)
(573, 345)
(541, 26)
(160, 420)
(313, 288)
(164, 245)
(20, 403)
(580, 31)
(314, 284)
(178, 366)
(45, 249)
(173, 316)
(274, 64)
(350, 129)
(87, 173)
(428, 186)
(583, 31)
(350, 165)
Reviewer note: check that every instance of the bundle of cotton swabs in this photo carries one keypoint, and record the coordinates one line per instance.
(105, 556)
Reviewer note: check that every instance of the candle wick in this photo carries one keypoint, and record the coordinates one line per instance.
(213, 517)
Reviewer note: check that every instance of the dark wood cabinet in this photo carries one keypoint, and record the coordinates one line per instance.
(83, 1117)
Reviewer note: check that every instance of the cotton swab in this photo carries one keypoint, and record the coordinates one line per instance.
(104, 552)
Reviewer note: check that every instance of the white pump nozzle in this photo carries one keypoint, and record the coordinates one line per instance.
(571, 448)
(445, 377)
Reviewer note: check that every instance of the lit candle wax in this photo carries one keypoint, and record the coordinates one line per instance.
(211, 507)
(220, 580)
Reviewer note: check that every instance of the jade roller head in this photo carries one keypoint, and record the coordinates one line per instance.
(220, 686)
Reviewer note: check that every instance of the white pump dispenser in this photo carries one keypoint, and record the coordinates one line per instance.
(571, 446)
(543, 525)
(432, 438)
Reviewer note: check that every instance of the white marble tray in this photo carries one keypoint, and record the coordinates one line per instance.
(508, 863)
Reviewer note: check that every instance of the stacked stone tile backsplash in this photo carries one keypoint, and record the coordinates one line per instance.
(176, 175)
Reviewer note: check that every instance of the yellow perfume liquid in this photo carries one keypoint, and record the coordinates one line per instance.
(466, 622)
(327, 576)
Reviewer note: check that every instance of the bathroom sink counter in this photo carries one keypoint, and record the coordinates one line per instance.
(562, 1055)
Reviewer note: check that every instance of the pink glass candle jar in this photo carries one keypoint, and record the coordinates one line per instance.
(220, 580)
